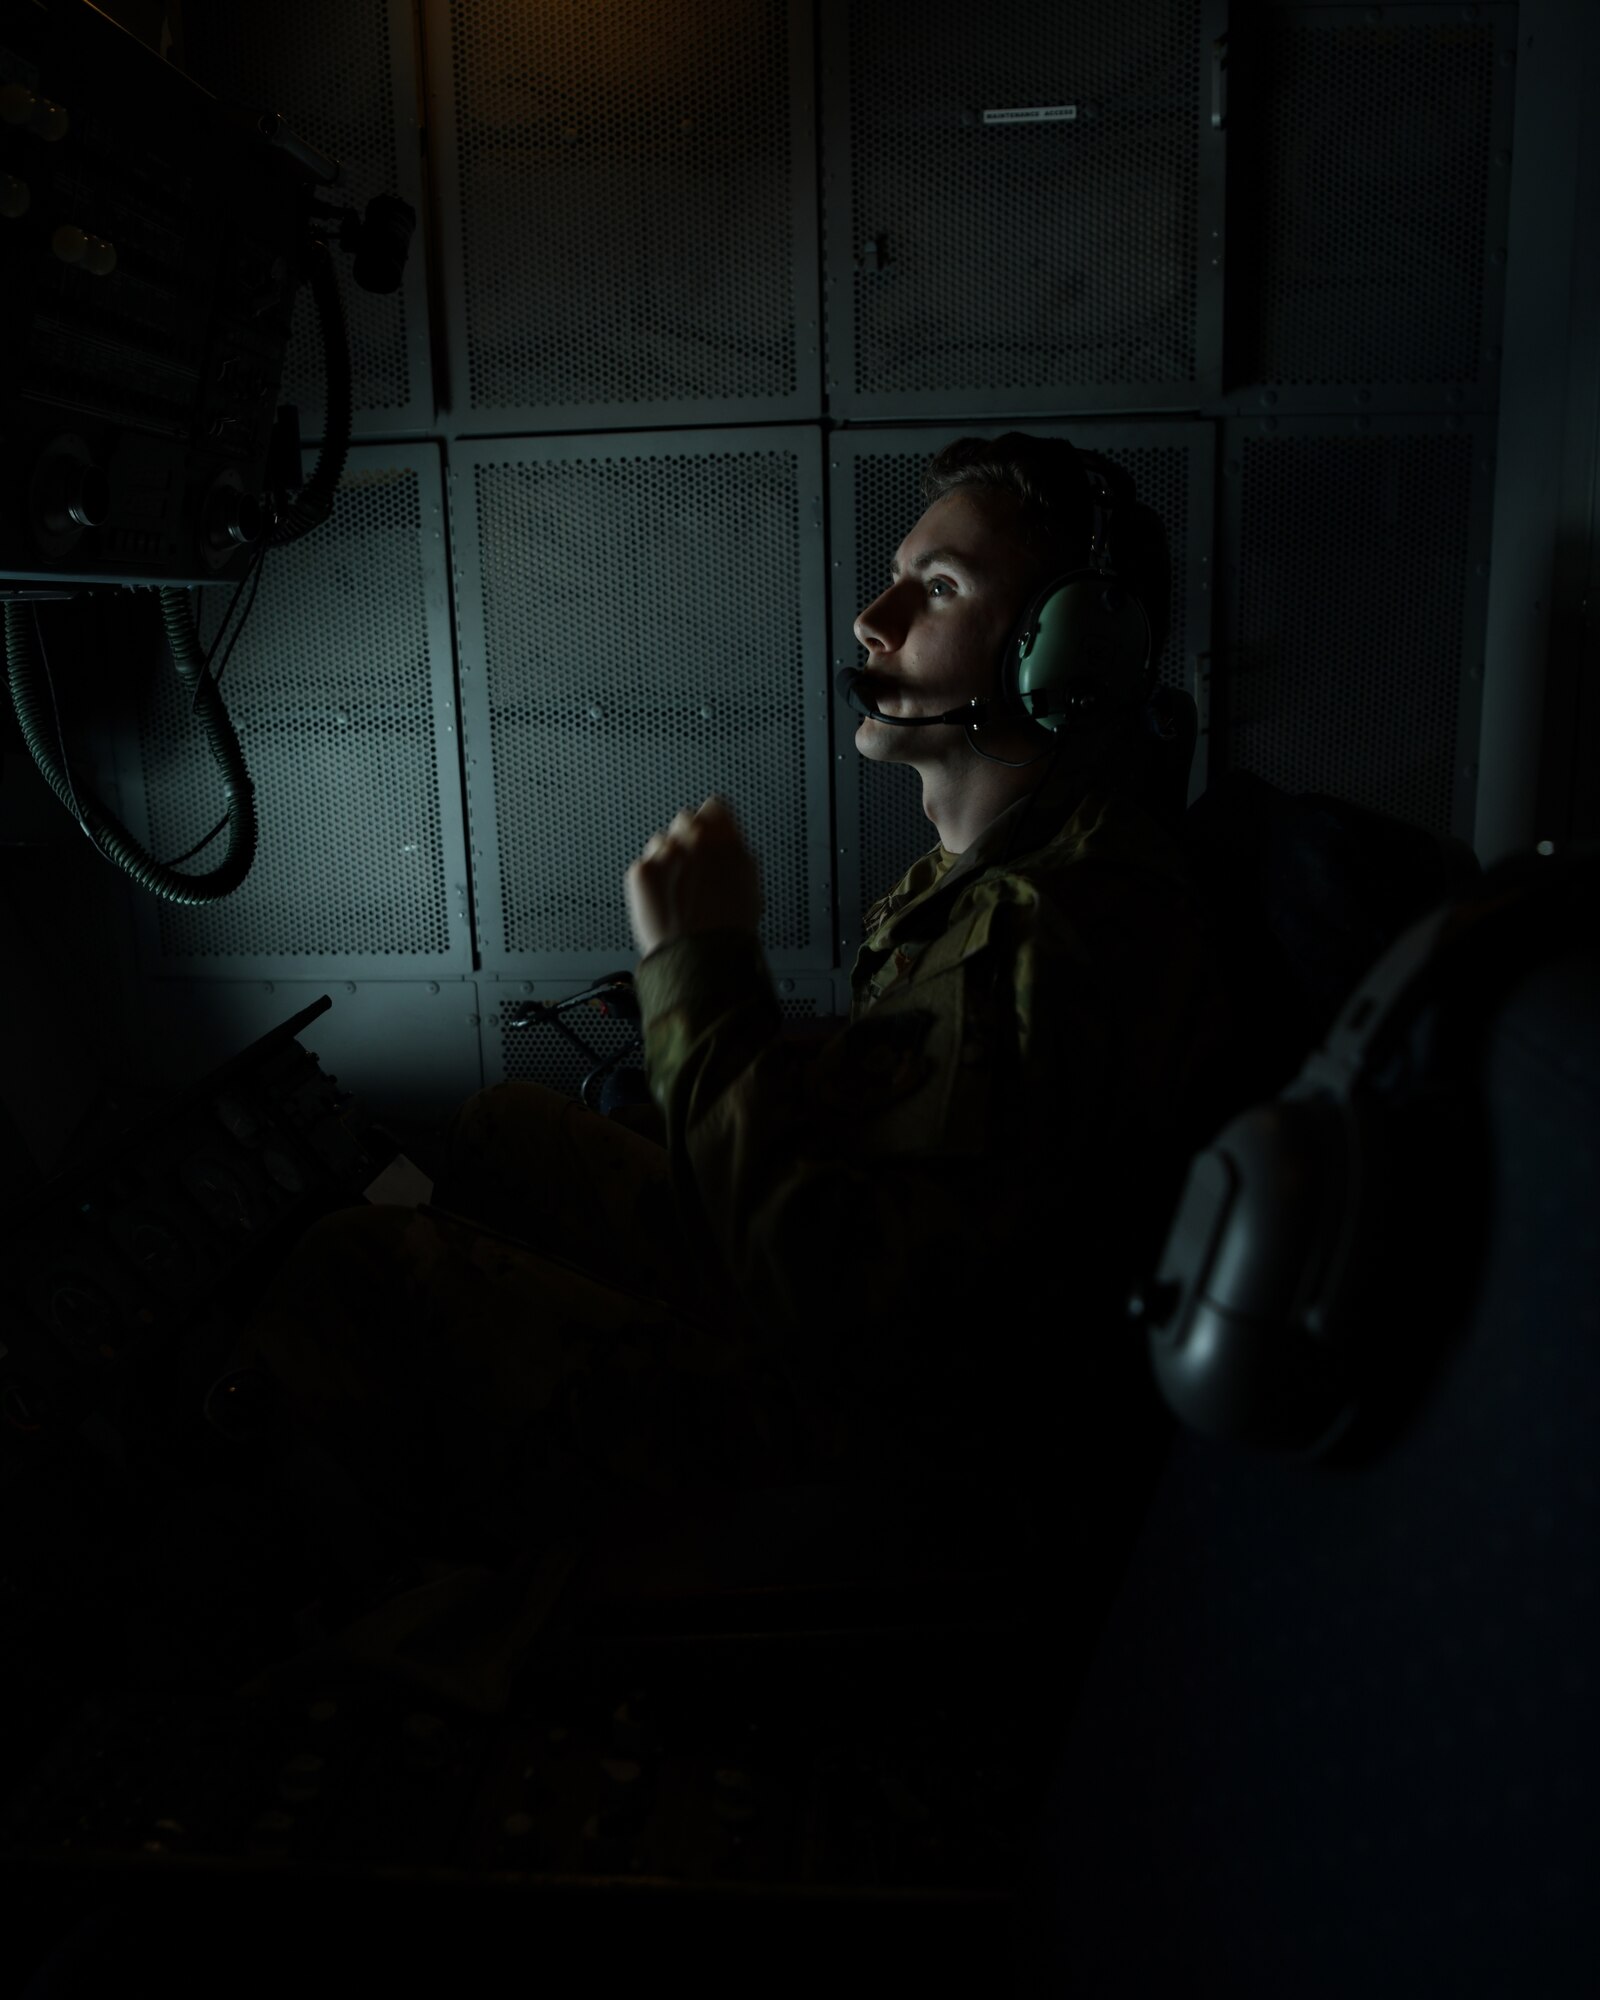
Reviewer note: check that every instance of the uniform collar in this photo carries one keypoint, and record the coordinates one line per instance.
(1037, 818)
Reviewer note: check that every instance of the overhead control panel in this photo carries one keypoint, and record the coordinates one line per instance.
(151, 243)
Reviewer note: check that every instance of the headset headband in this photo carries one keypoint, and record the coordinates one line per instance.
(1446, 944)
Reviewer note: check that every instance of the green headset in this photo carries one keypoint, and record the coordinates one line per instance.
(1080, 657)
(1324, 1242)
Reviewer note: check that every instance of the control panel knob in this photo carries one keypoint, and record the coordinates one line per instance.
(236, 518)
(20, 106)
(80, 495)
(68, 494)
(88, 253)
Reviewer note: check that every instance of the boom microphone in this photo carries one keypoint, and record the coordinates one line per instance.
(850, 682)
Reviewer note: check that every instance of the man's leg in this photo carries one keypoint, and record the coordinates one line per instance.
(472, 1386)
(543, 1169)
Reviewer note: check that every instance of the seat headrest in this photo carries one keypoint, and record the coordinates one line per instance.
(1331, 883)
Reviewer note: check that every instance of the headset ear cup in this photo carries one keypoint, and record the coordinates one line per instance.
(1262, 1212)
(1087, 640)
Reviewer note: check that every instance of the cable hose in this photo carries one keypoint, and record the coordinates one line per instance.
(25, 670)
(314, 503)
(25, 676)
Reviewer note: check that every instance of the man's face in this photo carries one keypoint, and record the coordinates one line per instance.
(933, 636)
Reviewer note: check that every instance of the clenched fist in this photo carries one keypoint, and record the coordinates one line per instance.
(697, 876)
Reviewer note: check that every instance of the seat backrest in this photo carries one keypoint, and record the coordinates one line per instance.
(1338, 1734)
(1306, 892)
(1173, 725)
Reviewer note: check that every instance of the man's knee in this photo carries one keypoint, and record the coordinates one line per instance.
(489, 1117)
(359, 1233)
(344, 1254)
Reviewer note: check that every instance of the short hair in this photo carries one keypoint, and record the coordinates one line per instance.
(1055, 517)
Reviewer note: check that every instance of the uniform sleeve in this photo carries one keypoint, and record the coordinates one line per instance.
(850, 1191)
(932, 1218)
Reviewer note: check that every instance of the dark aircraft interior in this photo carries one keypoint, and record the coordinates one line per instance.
(439, 438)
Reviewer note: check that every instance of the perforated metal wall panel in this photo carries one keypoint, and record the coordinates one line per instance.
(1351, 628)
(640, 624)
(874, 481)
(629, 203)
(1370, 162)
(539, 1054)
(985, 259)
(341, 691)
(345, 79)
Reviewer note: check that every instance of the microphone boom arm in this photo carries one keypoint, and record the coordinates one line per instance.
(849, 682)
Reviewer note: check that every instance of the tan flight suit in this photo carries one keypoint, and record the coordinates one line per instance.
(894, 1259)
